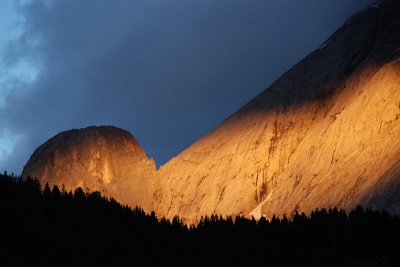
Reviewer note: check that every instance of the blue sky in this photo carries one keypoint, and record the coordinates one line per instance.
(167, 71)
(8, 18)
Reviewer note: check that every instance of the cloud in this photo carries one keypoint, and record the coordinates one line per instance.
(168, 71)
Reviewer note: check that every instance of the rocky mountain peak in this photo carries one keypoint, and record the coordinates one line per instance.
(105, 159)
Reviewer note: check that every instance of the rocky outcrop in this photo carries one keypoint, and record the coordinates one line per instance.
(325, 134)
(104, 159)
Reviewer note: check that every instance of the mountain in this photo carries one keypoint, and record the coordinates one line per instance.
(324, 134)
(105, 159)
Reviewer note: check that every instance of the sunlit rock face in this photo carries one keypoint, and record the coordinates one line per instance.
(105, 159)
(327, 133)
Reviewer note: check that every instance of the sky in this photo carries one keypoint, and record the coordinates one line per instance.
(168, 71)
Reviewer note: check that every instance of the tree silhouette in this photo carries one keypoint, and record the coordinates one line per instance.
(60, 228)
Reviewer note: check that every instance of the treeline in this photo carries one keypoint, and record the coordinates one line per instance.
(52, 227)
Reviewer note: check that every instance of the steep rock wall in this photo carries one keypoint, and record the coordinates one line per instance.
(325, 134)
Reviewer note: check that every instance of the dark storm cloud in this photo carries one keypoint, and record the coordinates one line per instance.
(168, 71)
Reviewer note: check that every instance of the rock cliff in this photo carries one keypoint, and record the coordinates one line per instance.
(324, 134)
(105, 159)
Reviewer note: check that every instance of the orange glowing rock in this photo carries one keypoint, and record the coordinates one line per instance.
(325, 134)
(105, 159)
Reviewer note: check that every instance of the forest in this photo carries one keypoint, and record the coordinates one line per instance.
(51, 227)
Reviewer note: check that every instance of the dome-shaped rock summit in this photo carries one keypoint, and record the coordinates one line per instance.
(105, 159)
